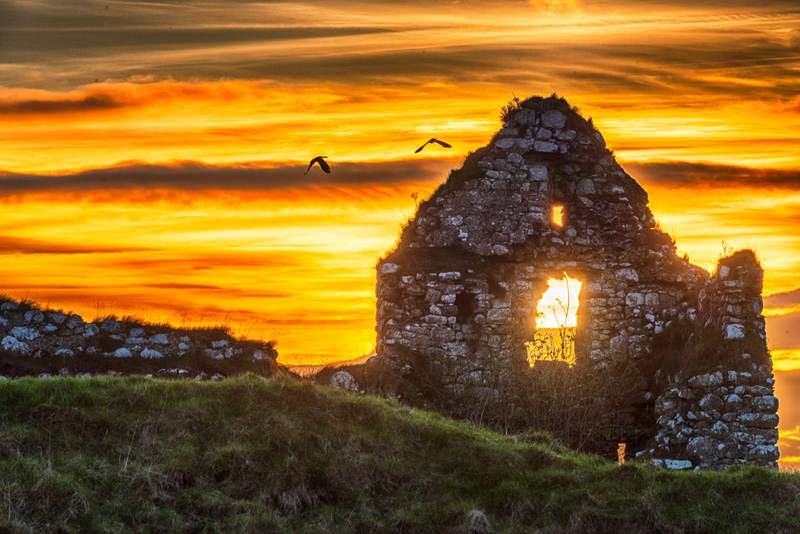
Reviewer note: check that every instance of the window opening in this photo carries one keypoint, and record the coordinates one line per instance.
(556, 321)
(558, 215)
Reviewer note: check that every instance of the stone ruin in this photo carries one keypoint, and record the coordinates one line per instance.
(45, 342)
(457, 298)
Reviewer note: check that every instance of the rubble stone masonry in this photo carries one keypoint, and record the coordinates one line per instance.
(456, 300)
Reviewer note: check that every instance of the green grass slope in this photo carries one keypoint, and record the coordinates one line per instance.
(249, 455)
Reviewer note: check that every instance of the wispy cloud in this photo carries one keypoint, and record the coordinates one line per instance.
(194, 176)
(782, 299)
(684, 174)
(94, 102)
(17, 245)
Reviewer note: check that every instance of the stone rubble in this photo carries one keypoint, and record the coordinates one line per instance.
(37, 342)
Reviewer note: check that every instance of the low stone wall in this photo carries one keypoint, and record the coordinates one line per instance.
(718, 419)
(40, 342)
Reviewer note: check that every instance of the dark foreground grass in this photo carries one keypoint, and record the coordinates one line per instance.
(248, 455)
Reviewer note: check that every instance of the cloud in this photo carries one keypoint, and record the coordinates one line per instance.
(194, 176)
(783, 331)
(92, 102)
(17, 245)
(782, 299)
(648, 50)
(682, 174)
(229, 291)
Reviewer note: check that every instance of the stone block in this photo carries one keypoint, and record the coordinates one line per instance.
(538, 173)
(677, 464)
(720, 430)
(344, 380)
(389, 268)
(767, 404)
(24, 333)
(712, 403)
(57, 317)
(122, 352)
(525, 117)
(764, 453)
(552, 118)
(34, 316)
(515, 158)
(734, 331)
(12, 344)
(150, 354)
(702, 448)
(627, 274)
(585, 187)
(545, 146)
(759, 420)
(506, 143)
(733, 403)
(160, 339)
(598, 137)
(634, 299)
(434, 319)
(707, 380)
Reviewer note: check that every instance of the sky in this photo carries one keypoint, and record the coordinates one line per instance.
(152, 153)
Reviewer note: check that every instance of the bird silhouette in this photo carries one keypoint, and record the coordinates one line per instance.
(433, 140)
(322, 164)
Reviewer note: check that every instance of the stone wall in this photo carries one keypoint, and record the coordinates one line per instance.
(728, 414)
(38, 342)
(715, 420)
(457, 298)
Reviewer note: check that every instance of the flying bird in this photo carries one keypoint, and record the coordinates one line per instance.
(322, 164)
(433, 140)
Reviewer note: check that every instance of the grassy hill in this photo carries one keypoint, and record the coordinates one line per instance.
(249, 455)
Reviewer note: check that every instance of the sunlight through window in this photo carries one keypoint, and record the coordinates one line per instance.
(558, 306)
(558, 215)
(556, 320)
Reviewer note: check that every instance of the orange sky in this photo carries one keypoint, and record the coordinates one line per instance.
(152, 154)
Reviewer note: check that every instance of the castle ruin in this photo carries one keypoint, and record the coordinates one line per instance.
(456, 299)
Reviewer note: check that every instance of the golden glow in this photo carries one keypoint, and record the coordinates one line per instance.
(558, 307)
(786, 359)
(789, 444)
(267, 265)
(558, 215)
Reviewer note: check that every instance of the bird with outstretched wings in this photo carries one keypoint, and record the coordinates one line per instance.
(433, 140)
(322, 164)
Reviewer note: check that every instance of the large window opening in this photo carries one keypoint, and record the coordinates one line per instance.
(556, 322)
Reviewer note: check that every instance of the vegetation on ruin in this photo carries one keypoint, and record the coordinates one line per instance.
(279, 455)
(541, 104)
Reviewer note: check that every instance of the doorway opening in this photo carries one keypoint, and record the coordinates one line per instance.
(556, 321)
